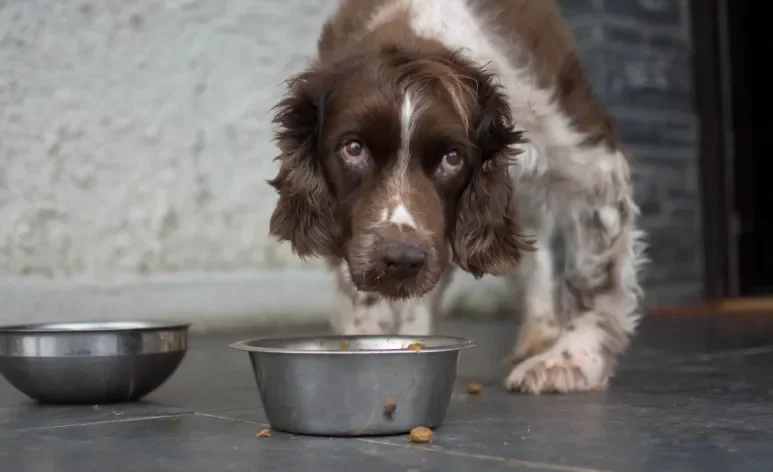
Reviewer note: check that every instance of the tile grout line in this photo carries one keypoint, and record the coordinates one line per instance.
(725, 354)
(237, 420)
(503, 460)
(749, 351)
(93, 423)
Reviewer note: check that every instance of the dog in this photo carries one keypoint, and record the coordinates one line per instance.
(437, 135)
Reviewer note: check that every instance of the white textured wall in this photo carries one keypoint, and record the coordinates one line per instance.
(135, 142)
(135, 134)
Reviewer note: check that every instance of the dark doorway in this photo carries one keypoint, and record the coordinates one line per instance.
(750, 51)
(733, 100)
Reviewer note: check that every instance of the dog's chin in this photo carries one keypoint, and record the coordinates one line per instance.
(393, 288)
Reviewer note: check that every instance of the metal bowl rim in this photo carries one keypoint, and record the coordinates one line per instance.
(454, 344)
(81, 327)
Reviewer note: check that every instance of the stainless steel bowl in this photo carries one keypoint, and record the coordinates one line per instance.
(91, 363)
(354, 385)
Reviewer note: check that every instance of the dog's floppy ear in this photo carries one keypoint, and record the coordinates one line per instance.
(487, 238)
(304, 213)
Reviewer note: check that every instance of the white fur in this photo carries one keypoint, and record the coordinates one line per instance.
(535, 287)
(406, 125)
(353, 317)
(413, 317)
(397, 181)
(401, 216)
(610, 218)
(416, 318)
(407, 119)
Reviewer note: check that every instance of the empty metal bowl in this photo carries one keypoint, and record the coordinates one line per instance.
(354, 385)
(91, 363)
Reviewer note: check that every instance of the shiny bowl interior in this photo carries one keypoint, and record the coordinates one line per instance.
(353, 345)
(91, 362)
(91, 326)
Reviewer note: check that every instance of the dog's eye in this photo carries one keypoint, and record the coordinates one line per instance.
(354, 152)
(452, 162)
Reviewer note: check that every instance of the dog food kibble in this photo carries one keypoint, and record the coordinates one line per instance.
(264, 434)
(474, 388)
(420, 434)
(390, 406)
(344, 346)
(416, 347)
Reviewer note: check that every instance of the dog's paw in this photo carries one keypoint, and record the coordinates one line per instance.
(559, 373)
(576, 362)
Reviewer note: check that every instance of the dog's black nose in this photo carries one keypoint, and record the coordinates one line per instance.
(403, 260)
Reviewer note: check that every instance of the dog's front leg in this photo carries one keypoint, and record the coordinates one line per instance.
(370, 313)
(599, 293)
(360, 312)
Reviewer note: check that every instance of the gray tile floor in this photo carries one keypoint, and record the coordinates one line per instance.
(693, 394)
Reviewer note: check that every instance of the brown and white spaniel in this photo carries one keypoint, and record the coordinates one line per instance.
(435, 134)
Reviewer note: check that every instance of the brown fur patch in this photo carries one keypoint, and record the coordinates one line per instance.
(539, 29)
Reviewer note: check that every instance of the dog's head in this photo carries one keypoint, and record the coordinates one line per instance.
(396, 160)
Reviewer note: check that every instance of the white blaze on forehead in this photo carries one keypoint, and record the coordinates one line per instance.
(397, 211)
(407, 118)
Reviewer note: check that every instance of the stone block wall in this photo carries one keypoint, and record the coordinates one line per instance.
(637, 53)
